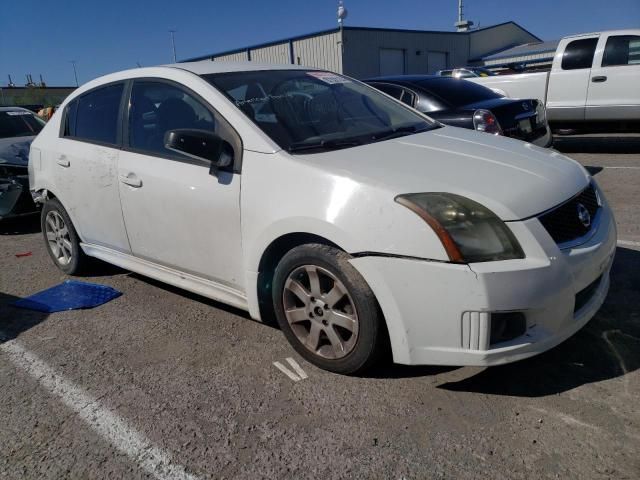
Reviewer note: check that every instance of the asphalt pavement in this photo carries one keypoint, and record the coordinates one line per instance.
(161, 383)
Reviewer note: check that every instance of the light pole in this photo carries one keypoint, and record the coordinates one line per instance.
(173, 44)
(75, 73)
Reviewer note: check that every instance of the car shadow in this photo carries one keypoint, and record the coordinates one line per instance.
(14, 321)
(608, 347)
(597, 144)
(20, 225)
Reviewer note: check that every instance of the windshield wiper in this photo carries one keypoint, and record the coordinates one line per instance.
(399, 132)
(323, 145)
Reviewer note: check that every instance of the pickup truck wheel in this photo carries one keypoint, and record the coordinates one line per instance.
(326, 309)
(61, 238)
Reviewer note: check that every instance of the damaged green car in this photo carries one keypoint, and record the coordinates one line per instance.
(18, 128)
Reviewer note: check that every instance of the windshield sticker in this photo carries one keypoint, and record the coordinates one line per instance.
(328, 77)
(18, 113)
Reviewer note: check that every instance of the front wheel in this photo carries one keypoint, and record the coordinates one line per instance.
(326, 309)
(62, 239)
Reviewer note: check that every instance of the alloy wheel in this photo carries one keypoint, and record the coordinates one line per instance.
(58, 238)
(320, 311)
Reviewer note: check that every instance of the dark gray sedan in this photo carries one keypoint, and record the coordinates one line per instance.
(18, 128)
(465, 104)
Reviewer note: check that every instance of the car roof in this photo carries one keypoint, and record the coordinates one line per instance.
(410, 78)
(209, 66)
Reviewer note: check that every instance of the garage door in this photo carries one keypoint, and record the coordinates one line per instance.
(436, 61)
(391, 61)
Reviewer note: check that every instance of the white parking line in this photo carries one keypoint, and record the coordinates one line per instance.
(104, 422)
(287, 372)
(628, 243)
(301, 373)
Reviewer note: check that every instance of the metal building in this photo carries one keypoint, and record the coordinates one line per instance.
(537, 54)
(367, 52)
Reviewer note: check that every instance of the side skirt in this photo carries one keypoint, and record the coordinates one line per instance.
(191, 283)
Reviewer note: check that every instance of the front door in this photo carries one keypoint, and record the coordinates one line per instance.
(614, 93)
(176, 212)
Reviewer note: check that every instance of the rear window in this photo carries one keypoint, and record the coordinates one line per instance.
(94, 116)
(19, 123)
(579, 54)
(457, 92)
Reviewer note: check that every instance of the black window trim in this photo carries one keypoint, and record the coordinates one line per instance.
(237, 161)
(75, 100)
(604, 52)
(593, 54)
(401, 86)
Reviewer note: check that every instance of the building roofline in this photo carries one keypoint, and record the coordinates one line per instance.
(348, 28)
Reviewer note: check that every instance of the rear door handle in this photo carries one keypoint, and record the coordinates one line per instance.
(63, 161)
(131, 180)
(599, 79)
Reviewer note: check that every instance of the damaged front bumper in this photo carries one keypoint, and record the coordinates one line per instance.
(15, 198)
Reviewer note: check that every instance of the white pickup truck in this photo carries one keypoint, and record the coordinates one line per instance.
(594, 82)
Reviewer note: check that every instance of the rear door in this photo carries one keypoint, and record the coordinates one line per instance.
(570, 78)
(84, 166)
(179, 213)
(614, 92)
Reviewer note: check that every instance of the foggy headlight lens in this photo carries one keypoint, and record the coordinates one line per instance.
(469, 231)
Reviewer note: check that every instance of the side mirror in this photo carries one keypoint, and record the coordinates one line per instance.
(201, 145)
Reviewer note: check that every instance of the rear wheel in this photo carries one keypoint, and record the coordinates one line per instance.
(61, 238)
(326, 309)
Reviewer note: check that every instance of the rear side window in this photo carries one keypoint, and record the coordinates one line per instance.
(579, 54)
(94, 116)
(622, 50)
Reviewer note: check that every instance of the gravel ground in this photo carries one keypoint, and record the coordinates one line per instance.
(196, 379)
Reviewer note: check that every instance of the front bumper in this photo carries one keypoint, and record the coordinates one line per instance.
(440, 314)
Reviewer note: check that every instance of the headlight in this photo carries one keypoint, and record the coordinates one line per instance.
(485, 121)
(468, 231)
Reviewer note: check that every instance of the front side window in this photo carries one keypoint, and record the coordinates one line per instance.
(579, 54)
(94, 116)
(19, 123)
(622, 50)
(306, 111)
(157, 107)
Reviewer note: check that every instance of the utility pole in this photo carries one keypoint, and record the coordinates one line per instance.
(173, 44)
(75, 72)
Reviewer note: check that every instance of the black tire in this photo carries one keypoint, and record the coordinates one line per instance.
(78, 261)
(371, 339)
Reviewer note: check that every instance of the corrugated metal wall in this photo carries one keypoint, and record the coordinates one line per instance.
(272, 54)
(362, 50)
(232, 57)
(322, 51)
(539, 57)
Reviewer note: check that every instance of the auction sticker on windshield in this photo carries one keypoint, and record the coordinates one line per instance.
(329, 77)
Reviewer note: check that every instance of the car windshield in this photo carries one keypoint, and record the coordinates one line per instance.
(19, 123)
(457, 92)
(309, 111)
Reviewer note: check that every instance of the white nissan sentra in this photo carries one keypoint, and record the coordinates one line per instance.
(360, 223)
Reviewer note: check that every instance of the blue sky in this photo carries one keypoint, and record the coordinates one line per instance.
(42, 36)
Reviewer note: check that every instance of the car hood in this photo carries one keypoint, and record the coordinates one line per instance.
(514, 179)
(15, 150)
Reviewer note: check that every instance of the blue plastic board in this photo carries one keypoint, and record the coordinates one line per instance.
(69, 295)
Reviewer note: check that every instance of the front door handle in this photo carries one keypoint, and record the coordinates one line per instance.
(63, 161)
(599, 79)
(131, 180)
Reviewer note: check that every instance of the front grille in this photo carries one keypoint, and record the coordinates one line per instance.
(586, 294)
(563, 222)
